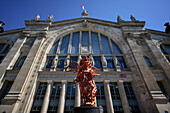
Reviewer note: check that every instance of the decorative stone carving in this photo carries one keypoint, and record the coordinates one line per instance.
(37, 18)
(1, 27)
(29, 42)
(119, 19)
(146, 36)
(104, 63)
(167, 29)
(50, 18)
(133, 18)
(85, 13)
(79, 58)
(54, 63)
(91, 60)
(41, 35)
(116, 62)
(140, 42)
(85, 23)
(66, 62)
(22, 35)
(128, 35)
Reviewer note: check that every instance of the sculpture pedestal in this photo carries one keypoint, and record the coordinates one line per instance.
(88, 109)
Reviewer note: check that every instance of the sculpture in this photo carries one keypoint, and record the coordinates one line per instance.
(85, 76)
(50, 18)
(167, 29)
(85, 13)
(1, 27)
(37, 18)
(119, 19)
(133, 18)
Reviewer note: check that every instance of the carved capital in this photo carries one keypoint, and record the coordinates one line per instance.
(145, 35)
(64, 81)
(127, 35)
(85, 23)
(41, 35)
(107, 81)
(22, 35)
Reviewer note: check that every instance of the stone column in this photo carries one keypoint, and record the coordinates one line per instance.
(145, 73)
(123, 97)
(62, 97)
(46, 98)
(109, 103)
(157, 54)
(23, 75)
(90, 43)
(27, 71)
(141, 63)
(77, 96)
(11, 57)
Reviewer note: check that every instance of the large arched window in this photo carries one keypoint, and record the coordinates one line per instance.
(85, 43)
(165, 48)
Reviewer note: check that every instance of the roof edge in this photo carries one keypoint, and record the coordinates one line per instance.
(78, 20)
(12, 31)
(157, 32)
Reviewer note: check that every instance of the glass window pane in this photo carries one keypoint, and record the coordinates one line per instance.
(162, 50)
(54, 99)
(5, 89)
(70, 97)
(61, 60)
(162, 89)
(167, 47)
(110, 63)
(97, 61)
(85, 40)
(95, 43)
(73, 58)
(49, 61)
(64, 45)
(5, 51)
(105, 45)
(2, 46)
(117, 104)
(122, 63)
(40, 93)
(75, 43)
(147, 61)
(116, 49)
(168, 58)
(1, 58)
(131, 98)
(20, 62)
(54, 48)
(100, 97)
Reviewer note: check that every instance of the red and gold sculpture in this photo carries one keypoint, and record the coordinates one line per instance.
(85, 76)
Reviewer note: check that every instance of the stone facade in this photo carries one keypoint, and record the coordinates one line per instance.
(35, 41)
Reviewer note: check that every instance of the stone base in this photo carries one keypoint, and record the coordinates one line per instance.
(88, 109)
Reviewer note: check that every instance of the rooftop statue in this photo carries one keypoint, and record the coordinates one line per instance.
(85, 76)
(133, 18)
(1, 27)
(85, 13)
(167, 29)
(50, 17)
(119, 19)
(37, 17)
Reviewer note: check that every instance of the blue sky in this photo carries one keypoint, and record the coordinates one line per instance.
(154, 12)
